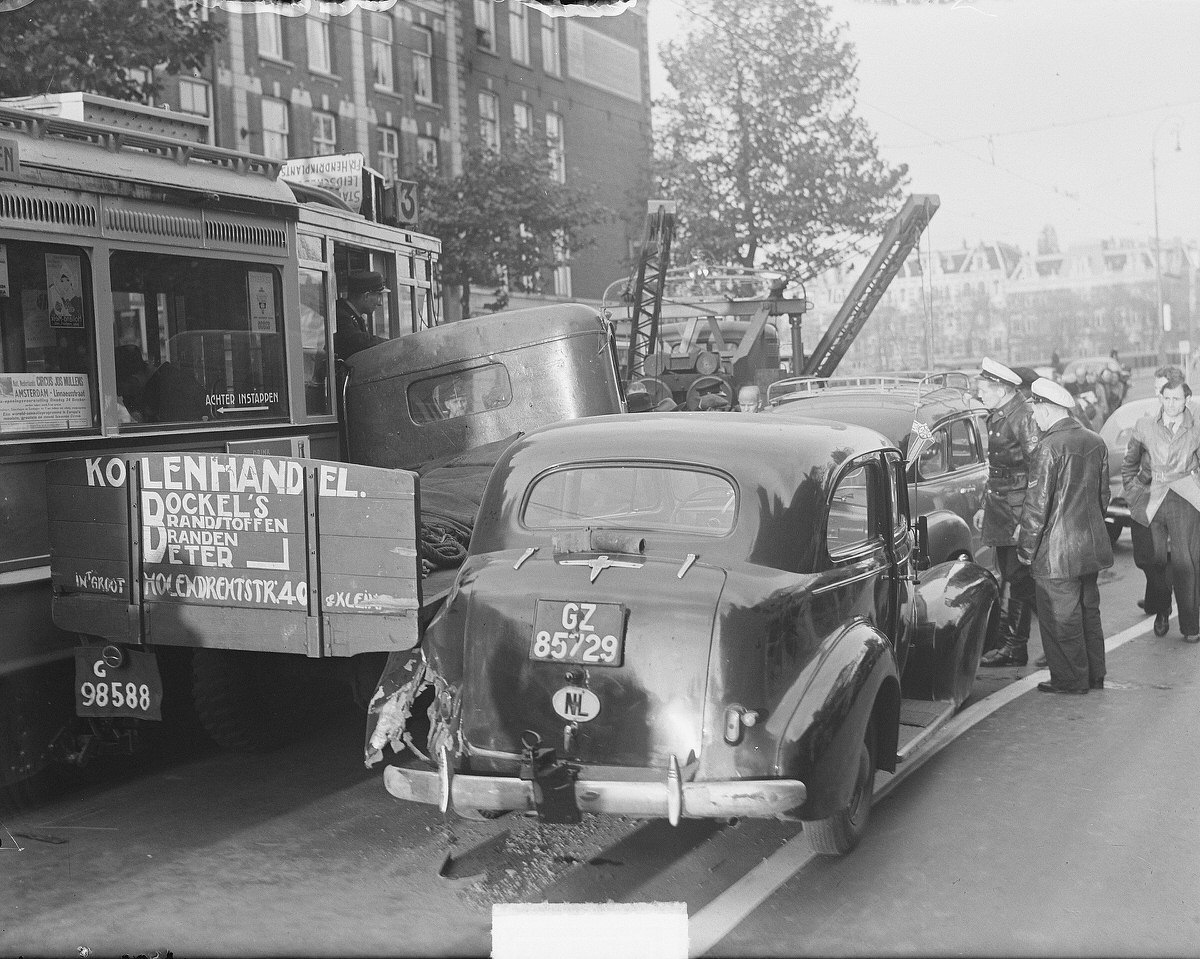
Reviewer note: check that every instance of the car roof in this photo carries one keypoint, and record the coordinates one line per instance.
(737, 443)
(1126, 415)
(891, 412)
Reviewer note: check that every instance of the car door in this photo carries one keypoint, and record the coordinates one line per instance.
(968, 461)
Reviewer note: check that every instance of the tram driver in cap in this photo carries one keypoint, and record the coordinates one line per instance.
(1012, 440)
(366, 292)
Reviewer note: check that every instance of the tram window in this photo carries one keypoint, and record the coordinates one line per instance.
(313, 324)
(47, 361)
(197, 340)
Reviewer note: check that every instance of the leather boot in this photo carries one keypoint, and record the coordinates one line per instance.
(1015, 650)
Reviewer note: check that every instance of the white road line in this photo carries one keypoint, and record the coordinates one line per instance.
(721, 916)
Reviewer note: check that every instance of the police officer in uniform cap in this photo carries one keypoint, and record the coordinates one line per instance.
(1012, 440)
(1063, 539)
(366, 291)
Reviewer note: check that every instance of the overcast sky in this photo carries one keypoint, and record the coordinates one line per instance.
(1022, 113)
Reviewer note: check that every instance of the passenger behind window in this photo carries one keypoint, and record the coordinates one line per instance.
(166, 394)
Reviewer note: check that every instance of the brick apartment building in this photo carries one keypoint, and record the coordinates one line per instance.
(411, 84)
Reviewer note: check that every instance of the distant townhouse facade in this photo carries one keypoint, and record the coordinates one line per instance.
(412, 85)
(995, 299)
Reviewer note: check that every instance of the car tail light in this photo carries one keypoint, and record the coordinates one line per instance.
(738, 719)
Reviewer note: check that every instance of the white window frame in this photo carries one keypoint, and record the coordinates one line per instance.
(382, 71)
(428, 152)
(562, 274)
(518, 34)
(551, 46)
(423, 65)
(189, 90)
(320, 49)
(522, 119)
(489, 120)
(389, 153)
(275, 136)
(270, 33)
(324, 133)
(485, 25)
(556, 144)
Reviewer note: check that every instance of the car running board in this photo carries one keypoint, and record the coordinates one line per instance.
(920, 719)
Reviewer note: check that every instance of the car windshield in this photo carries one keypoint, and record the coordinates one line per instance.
(632, 497)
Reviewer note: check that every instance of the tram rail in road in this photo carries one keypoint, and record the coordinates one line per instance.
(714, 921)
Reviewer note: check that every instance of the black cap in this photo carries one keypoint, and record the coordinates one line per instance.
(366, 281)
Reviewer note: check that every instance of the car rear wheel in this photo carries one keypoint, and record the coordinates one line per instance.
(841, 832)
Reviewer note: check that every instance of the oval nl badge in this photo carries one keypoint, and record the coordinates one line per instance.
(576, 704)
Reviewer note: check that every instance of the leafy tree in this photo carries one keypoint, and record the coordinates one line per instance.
(760, 144)
(109, 47)
(504, 217)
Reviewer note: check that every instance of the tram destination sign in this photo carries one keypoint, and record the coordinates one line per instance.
(200, 545)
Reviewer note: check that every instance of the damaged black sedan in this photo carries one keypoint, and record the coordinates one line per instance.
(669, 617)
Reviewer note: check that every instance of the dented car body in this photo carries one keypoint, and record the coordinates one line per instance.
(654, 621)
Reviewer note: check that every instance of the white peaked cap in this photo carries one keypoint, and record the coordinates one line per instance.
(998, 372)
(1052, 392)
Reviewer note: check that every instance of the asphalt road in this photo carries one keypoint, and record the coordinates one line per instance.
(1056, 825)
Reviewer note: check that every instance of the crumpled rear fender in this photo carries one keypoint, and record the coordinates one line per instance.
(857, 679)
(435, 664)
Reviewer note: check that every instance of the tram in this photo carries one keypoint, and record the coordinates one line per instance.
(156, 294)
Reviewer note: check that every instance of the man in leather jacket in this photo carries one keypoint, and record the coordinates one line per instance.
(1159, 476)
(1064, 541)
(1012, 439)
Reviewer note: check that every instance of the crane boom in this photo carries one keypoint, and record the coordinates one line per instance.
(649, 277)
(898, 241)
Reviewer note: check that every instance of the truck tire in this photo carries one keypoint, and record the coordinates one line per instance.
(841, 832)
(246, 701)
(36, 711)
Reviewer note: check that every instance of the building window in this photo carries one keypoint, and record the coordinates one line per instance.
(324, 133)
(489, 125)
(551, 61)
(389, 153)
(562, 273)
(270, 34)
(193, 97)
(319, 56)
(427, 152)
(275, 128)
(518, 33)
(522, 119)
(381, 52)
(423, 64)
(485, 25)
(556, 145)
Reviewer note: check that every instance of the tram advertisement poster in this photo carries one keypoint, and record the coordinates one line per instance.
(63, 291)
(262, 302)
(236, 531)
(44, 401)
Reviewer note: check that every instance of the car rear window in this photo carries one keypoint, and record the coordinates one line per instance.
(633, 497)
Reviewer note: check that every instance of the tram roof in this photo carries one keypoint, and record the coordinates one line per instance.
(86, 149)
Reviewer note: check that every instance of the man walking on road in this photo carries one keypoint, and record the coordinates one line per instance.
(1166, 446)
(1063, 540)
(1012, 438)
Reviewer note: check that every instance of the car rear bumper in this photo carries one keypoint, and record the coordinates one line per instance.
(668, 799)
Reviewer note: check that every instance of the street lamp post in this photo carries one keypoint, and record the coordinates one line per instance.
(1158, 285)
